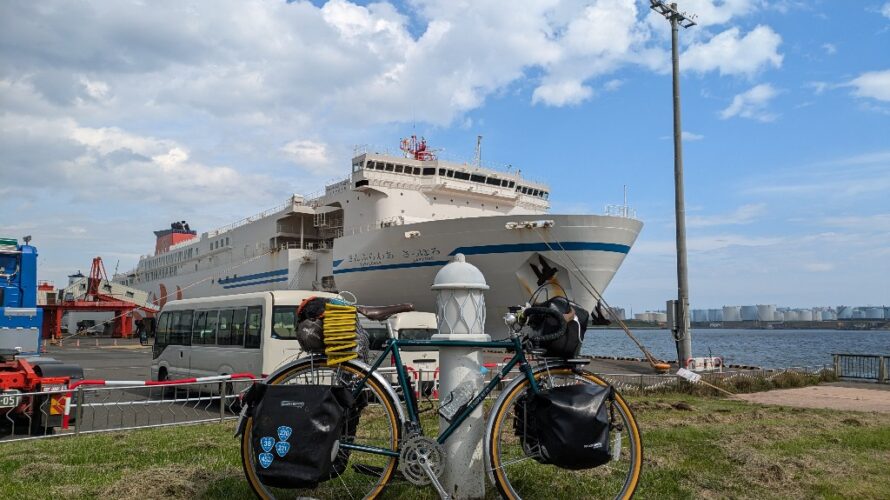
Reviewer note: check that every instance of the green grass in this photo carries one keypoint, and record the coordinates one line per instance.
(719, 448)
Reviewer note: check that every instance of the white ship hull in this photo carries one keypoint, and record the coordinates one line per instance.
(385, 266)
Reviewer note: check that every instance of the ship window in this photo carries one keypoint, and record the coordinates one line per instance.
(450, 173)
(370, 165)
(494, 182)
(504, 183)
(441, 171)
(389, 167)
(399, 169)
(546, 195)
(512, 183)
(462, 175)
(429, 171)
(416, 170)
(379, 166)
(477, 178)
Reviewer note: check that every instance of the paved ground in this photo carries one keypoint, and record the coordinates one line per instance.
(125, 361)
(842, 396)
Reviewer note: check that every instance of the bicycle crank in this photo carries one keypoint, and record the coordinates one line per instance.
(421, 463)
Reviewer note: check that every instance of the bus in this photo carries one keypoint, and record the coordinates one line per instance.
(244, 333)
(423, 362)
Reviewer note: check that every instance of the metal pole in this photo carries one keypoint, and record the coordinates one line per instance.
(684, 338)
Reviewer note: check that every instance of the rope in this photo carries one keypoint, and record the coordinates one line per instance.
(588, 285)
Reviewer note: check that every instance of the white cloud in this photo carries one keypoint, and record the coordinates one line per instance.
(745, 214)
(690, 136)
(561, 93)
(874, 84)
(733, 54)
(613, 85)
(752, 104)
(885, 10)
(308, 153)
(830, 48)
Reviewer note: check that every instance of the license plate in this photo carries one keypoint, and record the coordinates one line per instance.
(9, 399)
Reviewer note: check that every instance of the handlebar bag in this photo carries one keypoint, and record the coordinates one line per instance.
(296, 432)
(566, 426)
(568, 345)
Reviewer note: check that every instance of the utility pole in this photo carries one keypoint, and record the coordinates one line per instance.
(682, 335)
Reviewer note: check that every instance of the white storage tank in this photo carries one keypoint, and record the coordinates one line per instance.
(715, 314)
(791, 316)
(874, 313)
(844, 312)
(828, 315)
(749, 313)
(700, 315)
(766, 312)
(805, 315)
(659, 317)
(778, 316)
(731, 313)
(644, 316)
(858, 313)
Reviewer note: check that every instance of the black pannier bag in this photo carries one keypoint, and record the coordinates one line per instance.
(566, 426)
(568, 345)
(296, 432)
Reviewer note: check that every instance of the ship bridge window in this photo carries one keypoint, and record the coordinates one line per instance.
(477, 178)
(378, 166)
(416, 170)
(493, 182)
(399, 169)
(429, 171)
(388, 167)
(461, 175)
(449, 173)
(545, 195)
(441, 171)
(512, 184)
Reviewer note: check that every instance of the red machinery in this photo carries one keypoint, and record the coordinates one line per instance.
(18, 377)
(417, 149)
(95, 299)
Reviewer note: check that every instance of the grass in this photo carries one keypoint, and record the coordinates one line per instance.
(705, 448)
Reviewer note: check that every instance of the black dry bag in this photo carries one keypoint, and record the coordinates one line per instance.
(296, 432)
(566, 426)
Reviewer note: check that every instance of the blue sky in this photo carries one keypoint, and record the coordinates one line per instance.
(118, 117)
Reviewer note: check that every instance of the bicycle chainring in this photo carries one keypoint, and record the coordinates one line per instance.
(417, 451)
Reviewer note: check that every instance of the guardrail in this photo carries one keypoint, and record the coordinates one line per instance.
(103, 406)
(862, 367)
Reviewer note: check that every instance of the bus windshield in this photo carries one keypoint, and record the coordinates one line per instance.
(284, 322)
(417, 333)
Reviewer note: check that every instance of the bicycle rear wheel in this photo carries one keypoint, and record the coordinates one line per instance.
(517, 475)
(373, 422)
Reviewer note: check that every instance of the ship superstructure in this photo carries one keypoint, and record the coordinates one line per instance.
(382, 232)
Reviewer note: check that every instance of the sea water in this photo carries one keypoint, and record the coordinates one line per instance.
(764, 348)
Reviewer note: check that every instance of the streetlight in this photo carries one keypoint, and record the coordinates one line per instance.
(682, 335)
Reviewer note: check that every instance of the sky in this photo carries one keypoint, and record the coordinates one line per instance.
(118, 117)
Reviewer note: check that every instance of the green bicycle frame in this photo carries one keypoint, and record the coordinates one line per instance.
(392, 348)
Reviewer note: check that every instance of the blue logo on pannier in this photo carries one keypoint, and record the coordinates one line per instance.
(267, 443)
(282, 448)
(284, 432)
(266, 459)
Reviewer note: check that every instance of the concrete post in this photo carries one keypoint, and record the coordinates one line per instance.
(461, 316)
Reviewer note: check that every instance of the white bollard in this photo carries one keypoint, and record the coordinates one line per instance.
(461, 316)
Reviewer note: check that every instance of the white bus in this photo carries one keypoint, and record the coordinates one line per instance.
(246, 333)
(422, 362)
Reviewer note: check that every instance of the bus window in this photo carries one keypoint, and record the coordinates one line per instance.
(254, 326)
(183, 330)
(238, 327)
(210, 328)
(284, 322)
(162, 335)
(198, 328)
(224, 335)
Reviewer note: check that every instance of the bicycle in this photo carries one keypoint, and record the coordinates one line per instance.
(383, 441)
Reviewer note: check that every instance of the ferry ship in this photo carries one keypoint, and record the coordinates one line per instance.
(383, 232)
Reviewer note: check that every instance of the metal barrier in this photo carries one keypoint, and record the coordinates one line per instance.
(110, 406)
(862, 367)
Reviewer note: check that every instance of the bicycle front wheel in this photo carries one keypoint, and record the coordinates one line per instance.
(519, 476)
(372, 422)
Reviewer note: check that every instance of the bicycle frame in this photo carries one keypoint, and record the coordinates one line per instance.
(392, 348)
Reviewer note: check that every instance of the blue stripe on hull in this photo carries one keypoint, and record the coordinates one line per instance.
(263, 282)
(247, 277)
(496, 249)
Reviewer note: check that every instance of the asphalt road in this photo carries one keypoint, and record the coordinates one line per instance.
(126, 361)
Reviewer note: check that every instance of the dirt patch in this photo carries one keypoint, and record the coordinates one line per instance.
(40, 470)
(172, 482)
(838, 398)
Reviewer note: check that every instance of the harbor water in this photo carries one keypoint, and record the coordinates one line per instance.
(764, 348)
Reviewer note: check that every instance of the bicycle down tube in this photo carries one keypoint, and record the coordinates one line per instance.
(392, 348)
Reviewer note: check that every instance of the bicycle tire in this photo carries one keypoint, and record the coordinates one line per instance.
(517, 476)
(382, 411)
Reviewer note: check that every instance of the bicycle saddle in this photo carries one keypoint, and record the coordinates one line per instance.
(382, 313)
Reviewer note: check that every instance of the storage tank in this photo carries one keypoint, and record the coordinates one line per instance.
(619, 312)
(700, 315)
(731, 313)
(874, 313)
(749, 313)
(805, 315)
(791, 316)
(643, 316)
(715, 314)
(817, 314)
(828, 315)
(844, 312)
(659, 317)
(778, 316)
(766, 312)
